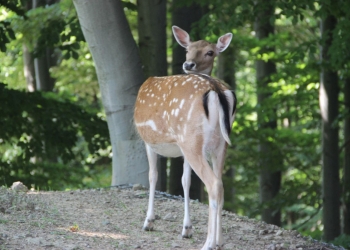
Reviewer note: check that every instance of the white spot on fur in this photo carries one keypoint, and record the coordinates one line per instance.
(148, 123)
(182, 103)
(190, 112)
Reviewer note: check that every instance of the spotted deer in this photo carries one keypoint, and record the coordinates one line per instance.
(189, 115)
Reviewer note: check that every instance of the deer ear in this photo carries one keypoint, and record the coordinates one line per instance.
(181, 36)
(224, 42)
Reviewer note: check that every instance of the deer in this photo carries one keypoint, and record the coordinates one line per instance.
(189, 115)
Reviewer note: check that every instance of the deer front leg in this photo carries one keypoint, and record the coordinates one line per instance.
(153, 176)
(186, 183)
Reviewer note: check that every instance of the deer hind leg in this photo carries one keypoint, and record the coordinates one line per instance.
(218, 165)
(186, 183)
(153, 176)
(215, 191)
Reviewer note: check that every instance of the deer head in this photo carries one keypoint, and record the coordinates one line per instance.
(200, 54)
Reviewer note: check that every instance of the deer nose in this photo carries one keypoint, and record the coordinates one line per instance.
(189, 65)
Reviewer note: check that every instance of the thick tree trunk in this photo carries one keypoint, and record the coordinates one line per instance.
(152, 36)
(152, 46)
(346, 177)
(119, 72)
(183, 17)
(329, 91)
(42, 65)
(270, 176)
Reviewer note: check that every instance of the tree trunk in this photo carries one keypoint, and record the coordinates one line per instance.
(119, 72)
(346, 177)
(226, 67)
(269, 163)
(329, 91)
(152, 36)
(183, 17)
(152, 46)
(43, 63)
(28, 60)
(29, 71)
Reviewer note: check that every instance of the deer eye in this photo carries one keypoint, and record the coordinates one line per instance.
(210, 53)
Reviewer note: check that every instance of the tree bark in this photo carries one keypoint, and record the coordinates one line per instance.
(328, 96)
(269, 163)
(152, 45)
(119, 72)
(28, 59)
(183, 17)
(152, 36)
(43, 63)
(29, 71)
(226, 67)
(346, 177)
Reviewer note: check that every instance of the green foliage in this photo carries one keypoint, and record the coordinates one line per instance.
(343, 240)
(54, 26)
(13, 6)
(6, 32)
(41, 133)
(76, 79)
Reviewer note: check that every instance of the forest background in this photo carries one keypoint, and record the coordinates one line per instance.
(288, 64)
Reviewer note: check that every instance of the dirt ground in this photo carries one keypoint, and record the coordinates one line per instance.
(112, 219)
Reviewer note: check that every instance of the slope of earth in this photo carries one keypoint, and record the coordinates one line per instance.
(112, 219)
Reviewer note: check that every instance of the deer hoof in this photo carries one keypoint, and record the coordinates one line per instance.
(219, 247)
(187, 232)
(148, 226)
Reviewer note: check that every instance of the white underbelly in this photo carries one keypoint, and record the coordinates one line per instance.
(166, 149)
